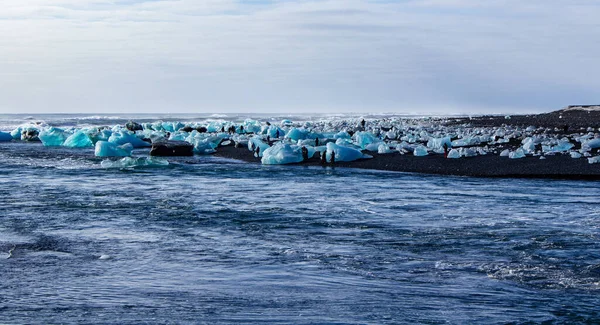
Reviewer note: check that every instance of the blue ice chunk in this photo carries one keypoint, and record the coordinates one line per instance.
(346, 143)
(519, 153)
(383, 149)
(28, 133)
(16, 133)
(205, 145)
(362, 139)
(252, 126)
(100, 135)
(286, 123)
(420, 151)
(79, 139)
(454, 154)
(342, 135)
(273, 131)
(109, 149)
(129, 162)
(593, 143)
(344, 153)
(52, 137)
(438, 143)
(296, 134)
(178, 136)
(373, 146)
(255, 142)
(282, 153)
(4, 136)
(122, 137)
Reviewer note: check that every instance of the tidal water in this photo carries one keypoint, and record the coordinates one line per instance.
(208, 240)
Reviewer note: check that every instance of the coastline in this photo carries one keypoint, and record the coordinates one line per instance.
(557, 166)
(493, 166)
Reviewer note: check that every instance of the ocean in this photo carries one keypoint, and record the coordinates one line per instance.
(208, 240)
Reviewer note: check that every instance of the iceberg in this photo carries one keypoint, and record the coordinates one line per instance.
(362, 139)
(344, 153)
(109, 149)
(255, 142)
(52, 137)
(575, 154)
(129, 162)
(438, 143)
(594, 160)
(296, 134)
(78, 140)
(4, 136)
(420, 151)
(519, 153)
(383, 149)
(123, 137)
(593, 144)
(454, 154)
(282, 153)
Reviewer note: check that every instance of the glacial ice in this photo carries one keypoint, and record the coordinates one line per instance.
(594, 160)
(438, 143)
(593, 143)
(344, 153)
(122, 137)
(52, 137)
(282, 153)
(575, 154)
(363, 138)
(519, 153)
(109, 149)
(4, 136)
(78, 139)
(420, 151)
(454, 153)
(296, 134)
(129, 162)
(255, 142)
(383, 149)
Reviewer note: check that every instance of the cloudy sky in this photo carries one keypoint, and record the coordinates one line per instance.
(405, 56)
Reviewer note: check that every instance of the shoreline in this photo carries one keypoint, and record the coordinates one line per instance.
(490, 166)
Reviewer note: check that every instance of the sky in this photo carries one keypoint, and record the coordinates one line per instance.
(329, 56)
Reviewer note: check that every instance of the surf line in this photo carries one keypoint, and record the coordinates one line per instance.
(10, 252)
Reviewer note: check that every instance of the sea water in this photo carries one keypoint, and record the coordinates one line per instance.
(211, 240)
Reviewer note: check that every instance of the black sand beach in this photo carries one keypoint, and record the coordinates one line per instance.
(558, 166)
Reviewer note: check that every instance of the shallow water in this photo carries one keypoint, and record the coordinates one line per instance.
(210, 240)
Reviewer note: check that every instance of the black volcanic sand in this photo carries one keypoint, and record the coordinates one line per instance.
(491, 165)
(559, 166)
(575, 119)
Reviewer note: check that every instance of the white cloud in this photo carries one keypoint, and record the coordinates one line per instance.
(75, 55)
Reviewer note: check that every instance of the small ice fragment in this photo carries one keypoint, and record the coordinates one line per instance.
(420, 151)
(594, 160)
(104, 257)
(519, 153)
(454, 154)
